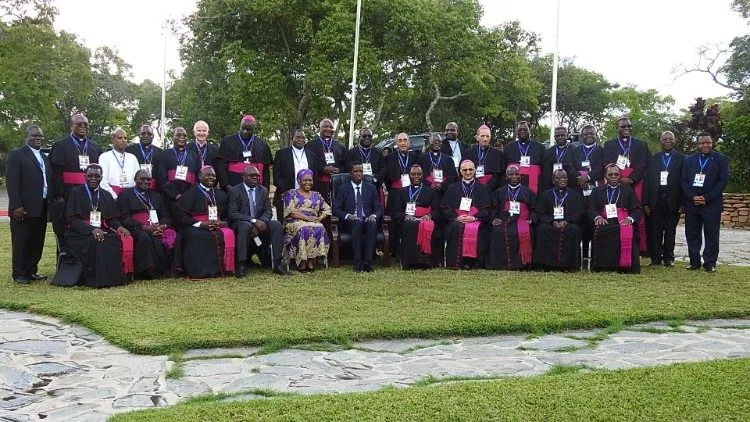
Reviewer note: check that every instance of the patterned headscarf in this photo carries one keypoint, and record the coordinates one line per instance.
(302, 174)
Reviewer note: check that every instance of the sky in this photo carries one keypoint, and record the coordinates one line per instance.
(638, 42)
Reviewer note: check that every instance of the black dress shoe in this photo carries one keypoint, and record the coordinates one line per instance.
(669, 263)
(367, 267)
(281, 271)
(692, 267)
(654, 263)
(357, 266)
(37, 277)
(711, 269)
(22, 280)
(240, 271)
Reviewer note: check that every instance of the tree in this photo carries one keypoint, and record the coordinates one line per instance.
(649, 112)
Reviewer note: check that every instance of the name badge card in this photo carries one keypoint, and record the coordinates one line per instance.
(587, 192)
(330, 159)
(700, 178)
(456, 161)
(558, 213)
(153, 218)
(586, 163)
(515, 208)
(411, 208)
(181, 173)
(405, 180)
(123, 178)
(213, 213)
(95, 219)
(83, 161)
(437, 175)
(146, 167)
(622, 162)
(480, 171)
(367, 169)
(557, 166)
(525, 161)
(611, 210)
(663, 178)
(247, 154)
(465, 204)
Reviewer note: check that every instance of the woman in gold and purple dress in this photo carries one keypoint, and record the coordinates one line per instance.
(305, 238)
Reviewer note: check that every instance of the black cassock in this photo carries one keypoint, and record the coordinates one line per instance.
(151, 254)
(535, 151)
(606, 246)
(166, 172)
(430, 162)
(427, 202)
(454, 232)
(102, 262)
(493, 161)
(511, 241)
(231, 159)
(199, 252)
(559, 247)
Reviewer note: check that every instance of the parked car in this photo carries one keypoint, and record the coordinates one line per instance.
(417, 142)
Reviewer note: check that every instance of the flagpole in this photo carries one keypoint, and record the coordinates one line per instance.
(553, 100)
(162, 122)
(354, 75)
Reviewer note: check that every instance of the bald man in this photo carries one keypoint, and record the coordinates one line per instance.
(662, 200)
(330, 156)
(118, 166)
(489, 162)
(237, 151)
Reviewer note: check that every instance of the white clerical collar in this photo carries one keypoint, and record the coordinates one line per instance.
(514, 187)
(298, 149)
(204, 187)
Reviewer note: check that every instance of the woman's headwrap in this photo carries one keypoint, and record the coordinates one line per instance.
(302, 174)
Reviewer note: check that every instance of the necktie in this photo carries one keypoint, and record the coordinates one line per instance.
(358, 205)
(250, 192)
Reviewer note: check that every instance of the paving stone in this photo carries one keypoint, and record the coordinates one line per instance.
(67, 413)
(252, 381)
(719, 323)
(244, 397)
(6, 416)
(291, 357)
(584, 334)
(500, 341)
(78, 394)
(658, 325)
(552, 342)
(185, 388)
(200, 368)
(395, 346)
(138, 401)
(17, 379)
(18, 400)
(39, 347)
(145, 385)
(231, 351)
(50, 369)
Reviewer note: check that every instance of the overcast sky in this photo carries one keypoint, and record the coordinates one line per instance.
(637, 42)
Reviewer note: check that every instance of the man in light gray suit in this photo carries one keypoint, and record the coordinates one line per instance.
(250, 217)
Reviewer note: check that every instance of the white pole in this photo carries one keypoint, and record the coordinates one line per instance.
(162, 122)
(553, 100)
(354, 75)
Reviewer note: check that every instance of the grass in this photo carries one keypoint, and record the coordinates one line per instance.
(337, 306)
(715, 391)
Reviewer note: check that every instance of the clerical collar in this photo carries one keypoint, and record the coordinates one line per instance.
(514, 187)
(624, 140)
(72, 135)
(202, 144)
(435, 153)
(468, 182)
(146, 146)
(521, 141)
(614, 186)
(561, 190)
(668, 152)
(589, 146)
(204, 187)
(298, 149)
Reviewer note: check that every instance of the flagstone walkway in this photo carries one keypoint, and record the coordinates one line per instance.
(55, 371)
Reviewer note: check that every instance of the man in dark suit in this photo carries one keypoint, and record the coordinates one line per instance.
(249, 210)
(662, 200)
(358, 207)
(452, 146)
(705, 174)
(287, 163)
(29, 181)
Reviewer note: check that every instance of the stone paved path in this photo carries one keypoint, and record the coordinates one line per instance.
(55, 371)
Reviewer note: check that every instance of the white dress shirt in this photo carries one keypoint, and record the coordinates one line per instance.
(456, 152)
(38, 156)
(300, 162)
(114, 164)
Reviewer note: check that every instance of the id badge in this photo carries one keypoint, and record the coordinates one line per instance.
(465, 204)
(587, 192)
(622, 162)
(146, 167)
(95, 219)
(181, 173)
(330, 159)
(700, 178)
(586, 163)
(663, 179)
(558, 213)
(247, 154)
(153, 218)
(367, 169)
(525, 161)
(514, 208)
(83, 161)
(411, 208)
(405, 180)
(123, 178)
(437, 175)
(611, 210)
(556, 167)
(213, 213)
(480, 171)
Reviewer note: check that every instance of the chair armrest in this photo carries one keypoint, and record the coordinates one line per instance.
(334, 221)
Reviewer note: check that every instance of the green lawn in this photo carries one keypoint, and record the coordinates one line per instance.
(341, 306)
(715, 391)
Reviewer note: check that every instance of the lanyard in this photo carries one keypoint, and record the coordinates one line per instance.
(435, 164)
(467, 194)
(703, 163)
(143, 198)
(365, 158)
(248, 146)
(665, 162)
(181, 161)
(122, 165)
(584, 148)
(77, 144)
(625, 151)
(512, 193)
(210, 198)
(558, 155)
(39, 162)
(301, 156)
(413, 196)
(524, 152)
(481, 157)
(456, 147)
(404, 164)
(611, 195)
(559, 201)
(91, 201)
(146, 157)
(327, 145)
(202, 151)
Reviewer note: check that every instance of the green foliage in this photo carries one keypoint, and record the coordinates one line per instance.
(649, 113)
(736, 145)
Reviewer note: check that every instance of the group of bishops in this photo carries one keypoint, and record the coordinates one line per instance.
(204, 210)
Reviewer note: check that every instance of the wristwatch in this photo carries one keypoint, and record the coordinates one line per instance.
(253, 220)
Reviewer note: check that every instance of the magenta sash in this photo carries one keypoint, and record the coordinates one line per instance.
(189, 179)
(396, 184)
(74, 177)
(167, 238)
(524, 232)
(118, 190)
(152, 184)
(484, 179)
(532, 172)
(240, 166)
(471, 234)
(228, 242)
(127, 254)
(626, 238)
(425, 229)
(638, 188)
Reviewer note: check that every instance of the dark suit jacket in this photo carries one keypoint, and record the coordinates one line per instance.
(717, 178)
(283, 169)
(345, 201)
(653, 180)
(25, 182)
(446, 148)
(238, 206)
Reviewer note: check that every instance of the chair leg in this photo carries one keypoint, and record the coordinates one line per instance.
(386, 247)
